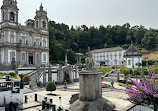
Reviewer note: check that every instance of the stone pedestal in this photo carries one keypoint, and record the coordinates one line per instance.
(90, 85)
(90, 96)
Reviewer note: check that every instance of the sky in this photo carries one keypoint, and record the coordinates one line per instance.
(93, 12)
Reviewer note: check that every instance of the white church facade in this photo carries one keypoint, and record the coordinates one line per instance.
(28, 44)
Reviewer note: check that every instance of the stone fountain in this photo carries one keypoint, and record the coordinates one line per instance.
(90, 96)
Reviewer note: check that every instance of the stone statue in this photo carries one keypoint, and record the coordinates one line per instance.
(89, 61)
(13, 63)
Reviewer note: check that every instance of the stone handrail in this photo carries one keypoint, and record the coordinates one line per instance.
(31, 73)
(108, 73)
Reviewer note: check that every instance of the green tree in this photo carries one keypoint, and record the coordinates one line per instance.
(149, 40)
(139, 34)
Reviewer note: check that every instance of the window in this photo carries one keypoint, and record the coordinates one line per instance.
(30, 41)
(44, 43)
(129, 62)
(11, 39)
(23, 40)
(12, 16)
(23, 56)
(12, 55)
(44, 57)
(37, 42)
(44, 24)
(2, 37)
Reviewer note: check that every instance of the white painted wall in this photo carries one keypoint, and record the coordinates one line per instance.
(135, 60)
(11, 97)
(141, 108)
(2, 108)
(31, 98)
(46, 77)
(110, 56)
(54, 77)
(2, 56)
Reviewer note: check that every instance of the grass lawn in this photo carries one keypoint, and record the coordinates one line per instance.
(1, 76)
(14, 77)
(10, 76)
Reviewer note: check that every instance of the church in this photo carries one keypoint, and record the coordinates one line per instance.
(27, 44)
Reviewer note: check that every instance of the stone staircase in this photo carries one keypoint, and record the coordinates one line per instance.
(33, 80)
(113, 76)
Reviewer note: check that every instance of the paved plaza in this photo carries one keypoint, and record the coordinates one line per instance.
(116, 95)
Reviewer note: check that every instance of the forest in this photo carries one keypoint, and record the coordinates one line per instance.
(63, 38)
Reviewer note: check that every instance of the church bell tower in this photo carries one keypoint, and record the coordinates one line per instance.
(9, 11)
(41, 20)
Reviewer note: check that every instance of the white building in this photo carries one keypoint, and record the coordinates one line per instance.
(132, 56)
(108, 56)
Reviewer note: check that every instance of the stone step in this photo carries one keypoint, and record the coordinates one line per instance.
(115, 75)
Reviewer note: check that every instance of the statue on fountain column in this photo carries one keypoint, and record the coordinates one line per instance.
(89, 61)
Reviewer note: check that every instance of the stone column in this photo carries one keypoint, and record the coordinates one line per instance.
(27, 60)
(49, 74)
(66, 59)
(90, 85)
(76, 72)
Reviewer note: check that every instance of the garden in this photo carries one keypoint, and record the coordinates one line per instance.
(11, 75)
(143, 88)
(104, 69)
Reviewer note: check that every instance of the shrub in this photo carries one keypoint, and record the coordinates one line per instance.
(138, 64)
(12, 74)
(113, 67)
(26, 79)
(144, 92)
(149, 62)
(145, 72)
(104, 69)
(21, 76)
(50, 86)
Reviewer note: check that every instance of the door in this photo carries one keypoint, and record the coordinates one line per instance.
(25, 98)
(30, 58)
(36, 97)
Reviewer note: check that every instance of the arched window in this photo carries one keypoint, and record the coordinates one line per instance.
(44, 24)
(12, 16)
(36, 24)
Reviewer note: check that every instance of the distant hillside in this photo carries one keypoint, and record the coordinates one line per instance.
(151, 55)
(77, 39)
